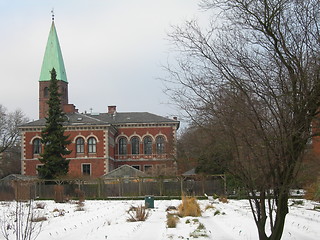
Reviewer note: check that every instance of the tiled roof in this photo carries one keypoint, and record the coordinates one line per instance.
(118, 118)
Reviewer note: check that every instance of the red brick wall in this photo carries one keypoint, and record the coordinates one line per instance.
(98, 159)
(168, 132)
(43, 106)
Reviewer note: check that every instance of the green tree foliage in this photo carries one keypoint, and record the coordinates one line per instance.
(53, 137)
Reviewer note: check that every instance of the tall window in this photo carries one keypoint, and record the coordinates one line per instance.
(37, 146)
(147, 145)
(86, 169)
(122, 146)
(92, 145)
(46, 92)
(80, 145)
(160, 144)
(135, 145)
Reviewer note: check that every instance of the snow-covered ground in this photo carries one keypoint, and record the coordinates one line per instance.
(108, 220)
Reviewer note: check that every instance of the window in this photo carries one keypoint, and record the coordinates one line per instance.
(147, 145)
(46, 92)
(80, 145)
(135, 145)
(160, 144)
(37, 146)
(136, 167)
(86, 169)
(92, 145)
(122, 146)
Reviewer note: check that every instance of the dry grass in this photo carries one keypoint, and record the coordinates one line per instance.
(139, 213)
(209, 206)
(80, 206)
(59, 212)
(223, 199)
(189, 207)
(40, 205)
(39, 219)
(172, 220)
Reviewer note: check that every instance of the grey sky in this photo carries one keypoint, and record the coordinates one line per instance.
(112, 49)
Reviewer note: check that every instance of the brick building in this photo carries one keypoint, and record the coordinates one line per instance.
(100, 142)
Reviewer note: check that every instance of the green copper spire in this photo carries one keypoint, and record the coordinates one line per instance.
(53, 58)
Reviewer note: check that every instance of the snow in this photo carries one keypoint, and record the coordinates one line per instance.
(108, 220)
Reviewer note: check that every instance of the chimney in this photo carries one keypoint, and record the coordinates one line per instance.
(112, 109)
(175, 118)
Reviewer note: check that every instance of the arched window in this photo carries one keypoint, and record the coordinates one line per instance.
(80, 145)
(36, 146)
(92, 145)
(160, 144)
(122, 146)
(135, 145)
(147, 145)
(46, 92)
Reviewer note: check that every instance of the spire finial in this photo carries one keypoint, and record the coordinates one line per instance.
(52, 14)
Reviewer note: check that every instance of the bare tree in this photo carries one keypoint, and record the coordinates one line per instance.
(255, 73)
(9, 132)
(22, 222)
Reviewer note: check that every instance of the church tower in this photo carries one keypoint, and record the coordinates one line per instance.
(53, 59)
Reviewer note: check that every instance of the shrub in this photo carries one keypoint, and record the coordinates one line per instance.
(223, 199)
(39, 219)
(297, 202)
(313, 192)
(139, 213)
(40, 205)
(80, 206)
(189, 207)
(217, 212)
(58, 212)
(172, 221)
(80, 195)
(201, 231)
(59, 194)
(209, 206)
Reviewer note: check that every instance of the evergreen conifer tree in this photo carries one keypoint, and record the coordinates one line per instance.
(53, 138)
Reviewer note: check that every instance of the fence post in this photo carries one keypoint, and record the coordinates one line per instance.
(160, 185)
(181, 185)
(225, 183)
(120, 182)
(139, 182)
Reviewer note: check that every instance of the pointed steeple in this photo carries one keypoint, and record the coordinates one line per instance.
(53, 58)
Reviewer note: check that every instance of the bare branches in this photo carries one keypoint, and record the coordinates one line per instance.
(20, 223)
(256, 76)
(9, 132)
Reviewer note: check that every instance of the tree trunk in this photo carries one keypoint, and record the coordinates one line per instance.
(282, 211)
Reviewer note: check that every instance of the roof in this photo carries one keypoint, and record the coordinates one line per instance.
(53, 58)
(18, 177)
(124, 171)
(78, 119)
(191, 172)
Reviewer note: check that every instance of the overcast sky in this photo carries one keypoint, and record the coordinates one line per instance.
(112, 49)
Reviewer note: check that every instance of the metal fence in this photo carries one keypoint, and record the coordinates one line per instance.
(115, 187)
